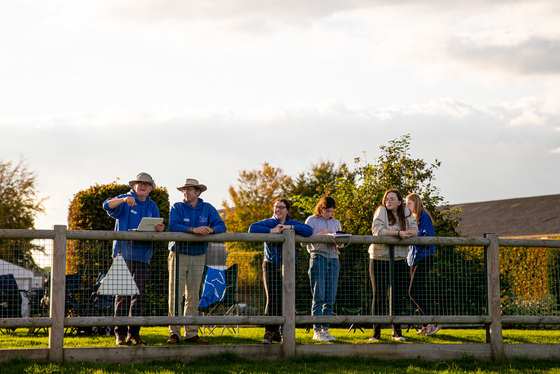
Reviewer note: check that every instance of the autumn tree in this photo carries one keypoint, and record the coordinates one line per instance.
(19, 206)
(252, 200)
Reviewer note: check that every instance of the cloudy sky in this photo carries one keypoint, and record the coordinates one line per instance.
(97, 91)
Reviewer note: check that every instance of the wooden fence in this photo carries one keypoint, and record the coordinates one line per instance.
(493, 349)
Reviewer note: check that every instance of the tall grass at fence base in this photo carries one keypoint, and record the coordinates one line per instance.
(157, 336)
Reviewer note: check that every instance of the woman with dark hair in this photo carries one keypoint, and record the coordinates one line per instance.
(390, 219)
(272, 264)
(323, 266)
(420, 261)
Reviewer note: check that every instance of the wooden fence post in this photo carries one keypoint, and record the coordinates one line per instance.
(57, 296)
(494, 310)
(289, 293)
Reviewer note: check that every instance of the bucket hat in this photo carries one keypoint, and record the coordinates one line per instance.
(190, 182)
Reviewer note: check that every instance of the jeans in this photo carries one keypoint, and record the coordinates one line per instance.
(323, 276)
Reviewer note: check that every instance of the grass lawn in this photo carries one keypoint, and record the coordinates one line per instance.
(228, 363)
(157, 336)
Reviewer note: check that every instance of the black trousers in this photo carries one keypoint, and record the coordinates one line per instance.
(419, 290)
(379, 273)
(132, 305)
(272, 278)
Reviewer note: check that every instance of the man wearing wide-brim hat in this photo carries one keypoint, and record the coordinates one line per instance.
(128, 210)
(187, 259)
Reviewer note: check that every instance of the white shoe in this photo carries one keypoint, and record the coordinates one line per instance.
(372, 339)
(398, 338)
(432, 329)
(328, 335)
(319, 336)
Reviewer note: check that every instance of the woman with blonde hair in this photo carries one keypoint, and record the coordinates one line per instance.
(420, 260)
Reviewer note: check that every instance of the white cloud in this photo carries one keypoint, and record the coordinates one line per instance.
(211, 88)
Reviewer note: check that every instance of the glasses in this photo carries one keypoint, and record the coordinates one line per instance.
(276, 207)
(391, 200)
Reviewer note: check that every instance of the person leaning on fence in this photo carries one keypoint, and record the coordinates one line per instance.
(390, 219)
(128, 210)
(420, 260)
(187, 259)
(272, 264)
(323, 266)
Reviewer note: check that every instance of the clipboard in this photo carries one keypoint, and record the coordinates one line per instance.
(148, 223)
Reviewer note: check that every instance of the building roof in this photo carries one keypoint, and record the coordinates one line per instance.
(528, 217)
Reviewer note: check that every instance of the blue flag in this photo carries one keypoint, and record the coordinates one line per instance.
(214, 287)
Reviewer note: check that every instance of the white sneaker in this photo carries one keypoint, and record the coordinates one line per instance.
(399, 338)
(372, 339)
(329, 337)
(432, 329)
(319, 336)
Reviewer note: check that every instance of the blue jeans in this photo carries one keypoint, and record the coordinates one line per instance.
(323, 276)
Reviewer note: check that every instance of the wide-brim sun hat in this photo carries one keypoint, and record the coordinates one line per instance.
(191, 182)
(143, 177)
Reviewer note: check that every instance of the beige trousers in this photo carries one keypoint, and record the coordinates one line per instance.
(185, 277)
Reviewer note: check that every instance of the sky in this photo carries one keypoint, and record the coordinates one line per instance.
(93, 92)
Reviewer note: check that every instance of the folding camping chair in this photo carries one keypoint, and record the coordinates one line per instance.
(224, 303)
(353, 312)
(98, 306)
(10, 298)
(73, 306)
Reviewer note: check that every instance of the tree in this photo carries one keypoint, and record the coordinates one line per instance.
(395, 168)
(19, 200)
(19, 205)
(310, 185)
(252, 201)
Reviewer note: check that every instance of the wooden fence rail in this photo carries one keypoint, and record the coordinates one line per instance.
(494, 349)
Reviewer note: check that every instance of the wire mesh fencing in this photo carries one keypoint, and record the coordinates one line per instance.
(451, 282)
(24, 269)
(530, 281)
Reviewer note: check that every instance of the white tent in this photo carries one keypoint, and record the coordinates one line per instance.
(25, 278)
(26, 281)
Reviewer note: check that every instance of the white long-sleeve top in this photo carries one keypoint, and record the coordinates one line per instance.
(380, 226)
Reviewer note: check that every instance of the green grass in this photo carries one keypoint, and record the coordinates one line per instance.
(157, 336)
(228, 363)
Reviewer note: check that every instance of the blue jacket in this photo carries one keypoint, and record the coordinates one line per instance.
(128, 218)
(273, 251)
(183, 216)
(417, 253)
